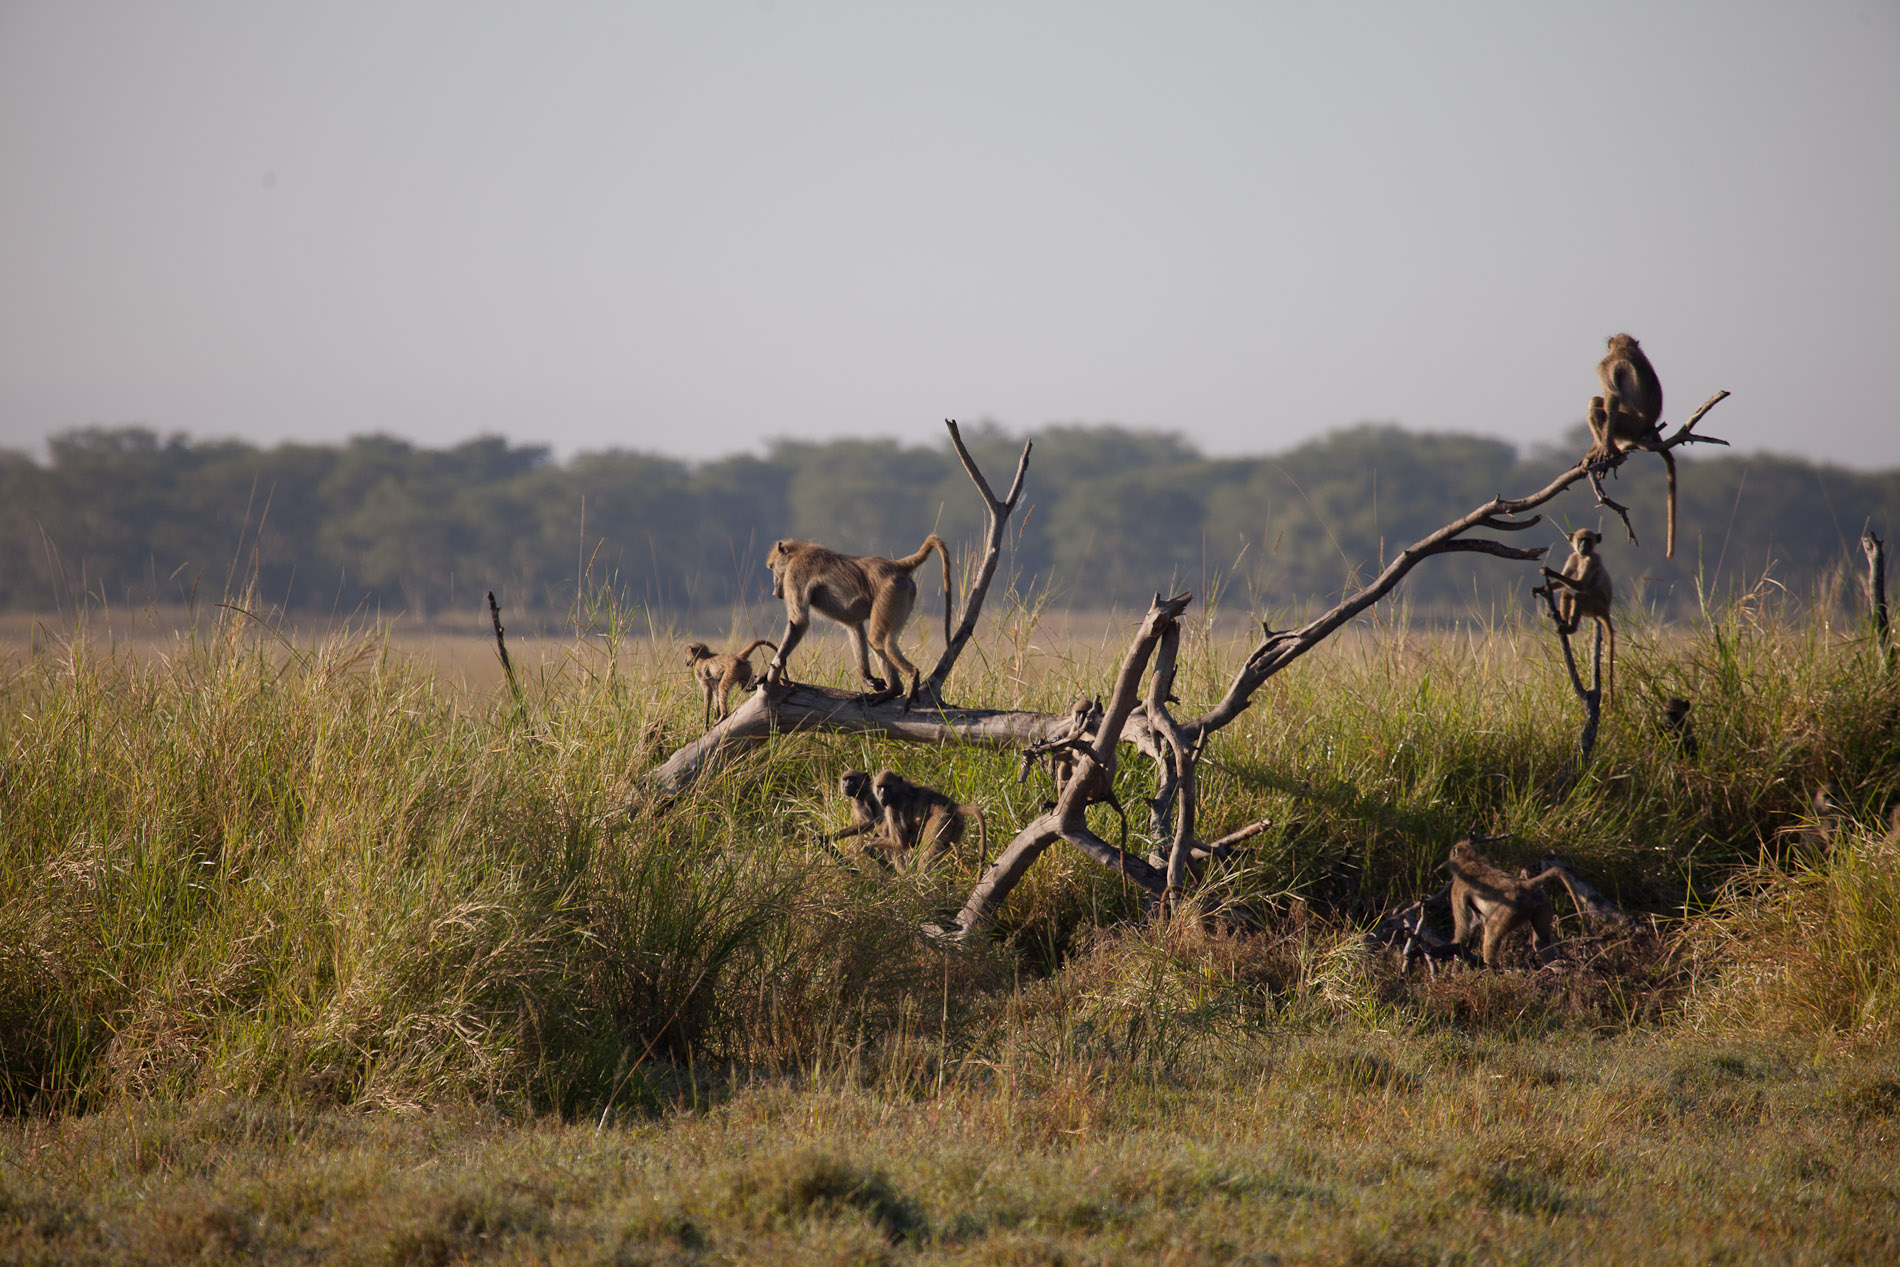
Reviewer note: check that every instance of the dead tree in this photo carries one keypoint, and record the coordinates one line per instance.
(1173, 746)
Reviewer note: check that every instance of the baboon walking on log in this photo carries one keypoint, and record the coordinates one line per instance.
(720, 673)
(860, 592)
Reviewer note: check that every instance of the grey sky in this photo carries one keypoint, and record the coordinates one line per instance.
(688, 226)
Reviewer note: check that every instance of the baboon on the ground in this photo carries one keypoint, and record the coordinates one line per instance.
(923, 819)
(867, 820)
(866, 814)
(1677, 726)
(857, 591)
(1584, 589)
(1627, 414)
(1826, 818)
(721, 672)
(1484, 897)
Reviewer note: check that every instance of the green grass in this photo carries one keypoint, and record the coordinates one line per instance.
(309, 947)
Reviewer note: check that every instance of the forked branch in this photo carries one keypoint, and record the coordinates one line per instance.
(998, 513)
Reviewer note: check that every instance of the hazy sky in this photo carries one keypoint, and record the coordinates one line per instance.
(689, 226)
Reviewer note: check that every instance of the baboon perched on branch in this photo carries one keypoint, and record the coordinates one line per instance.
(1484, 897)
(1584, 589)
(860, 592)
(721, 673)
(1628, 415)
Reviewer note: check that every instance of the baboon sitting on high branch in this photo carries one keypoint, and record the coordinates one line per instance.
(859, 592)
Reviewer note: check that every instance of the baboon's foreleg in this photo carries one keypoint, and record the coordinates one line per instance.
(795, 627)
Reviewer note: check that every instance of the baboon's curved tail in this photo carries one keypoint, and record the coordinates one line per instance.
(982, 834)
(915, 561)
(755, 644)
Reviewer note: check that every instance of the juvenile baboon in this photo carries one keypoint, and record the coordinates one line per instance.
(1483, 896)
(856, 591)
(924, 819)
(1064, 752)
(720, 672)
(1584, 589)
(867, 820)
(1628, 413)
(1085, 718)
(1825, 819)
(1677, 726)
(866, 813)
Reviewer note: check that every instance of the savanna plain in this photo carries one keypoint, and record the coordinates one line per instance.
(328, 946)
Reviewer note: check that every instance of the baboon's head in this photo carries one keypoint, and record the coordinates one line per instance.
(1463, 852)
(885, 787)
(1585, 540)
(697, 651)
(856, 786)
(776, 559)
(1623, 343)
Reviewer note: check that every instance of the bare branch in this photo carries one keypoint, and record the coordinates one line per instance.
(1591, 698)
(1280, 649)
(1095, 767)
(801, 707)
(998, 513)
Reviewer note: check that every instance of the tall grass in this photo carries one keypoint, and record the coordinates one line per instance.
(321, 869)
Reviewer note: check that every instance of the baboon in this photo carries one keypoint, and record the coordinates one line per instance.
(1825, 819)
(1483, 896)
(867, 820)
(1584, 589)
(923, 819)
(1064, 752)
(866, 814)
(1628, 413)
(856, 591)
(721, 672)
(1677, 726)
(1085, 718)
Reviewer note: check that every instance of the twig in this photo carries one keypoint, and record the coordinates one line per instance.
(507, 665)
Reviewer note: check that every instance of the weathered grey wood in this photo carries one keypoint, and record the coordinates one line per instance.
(777, 709)
(1592, 697)
(772, 710)
(1069, 819)
(1590, 903)
(1151, 728)
(998, 513)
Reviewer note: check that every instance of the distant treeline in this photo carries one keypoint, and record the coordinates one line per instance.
(1111, 516)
